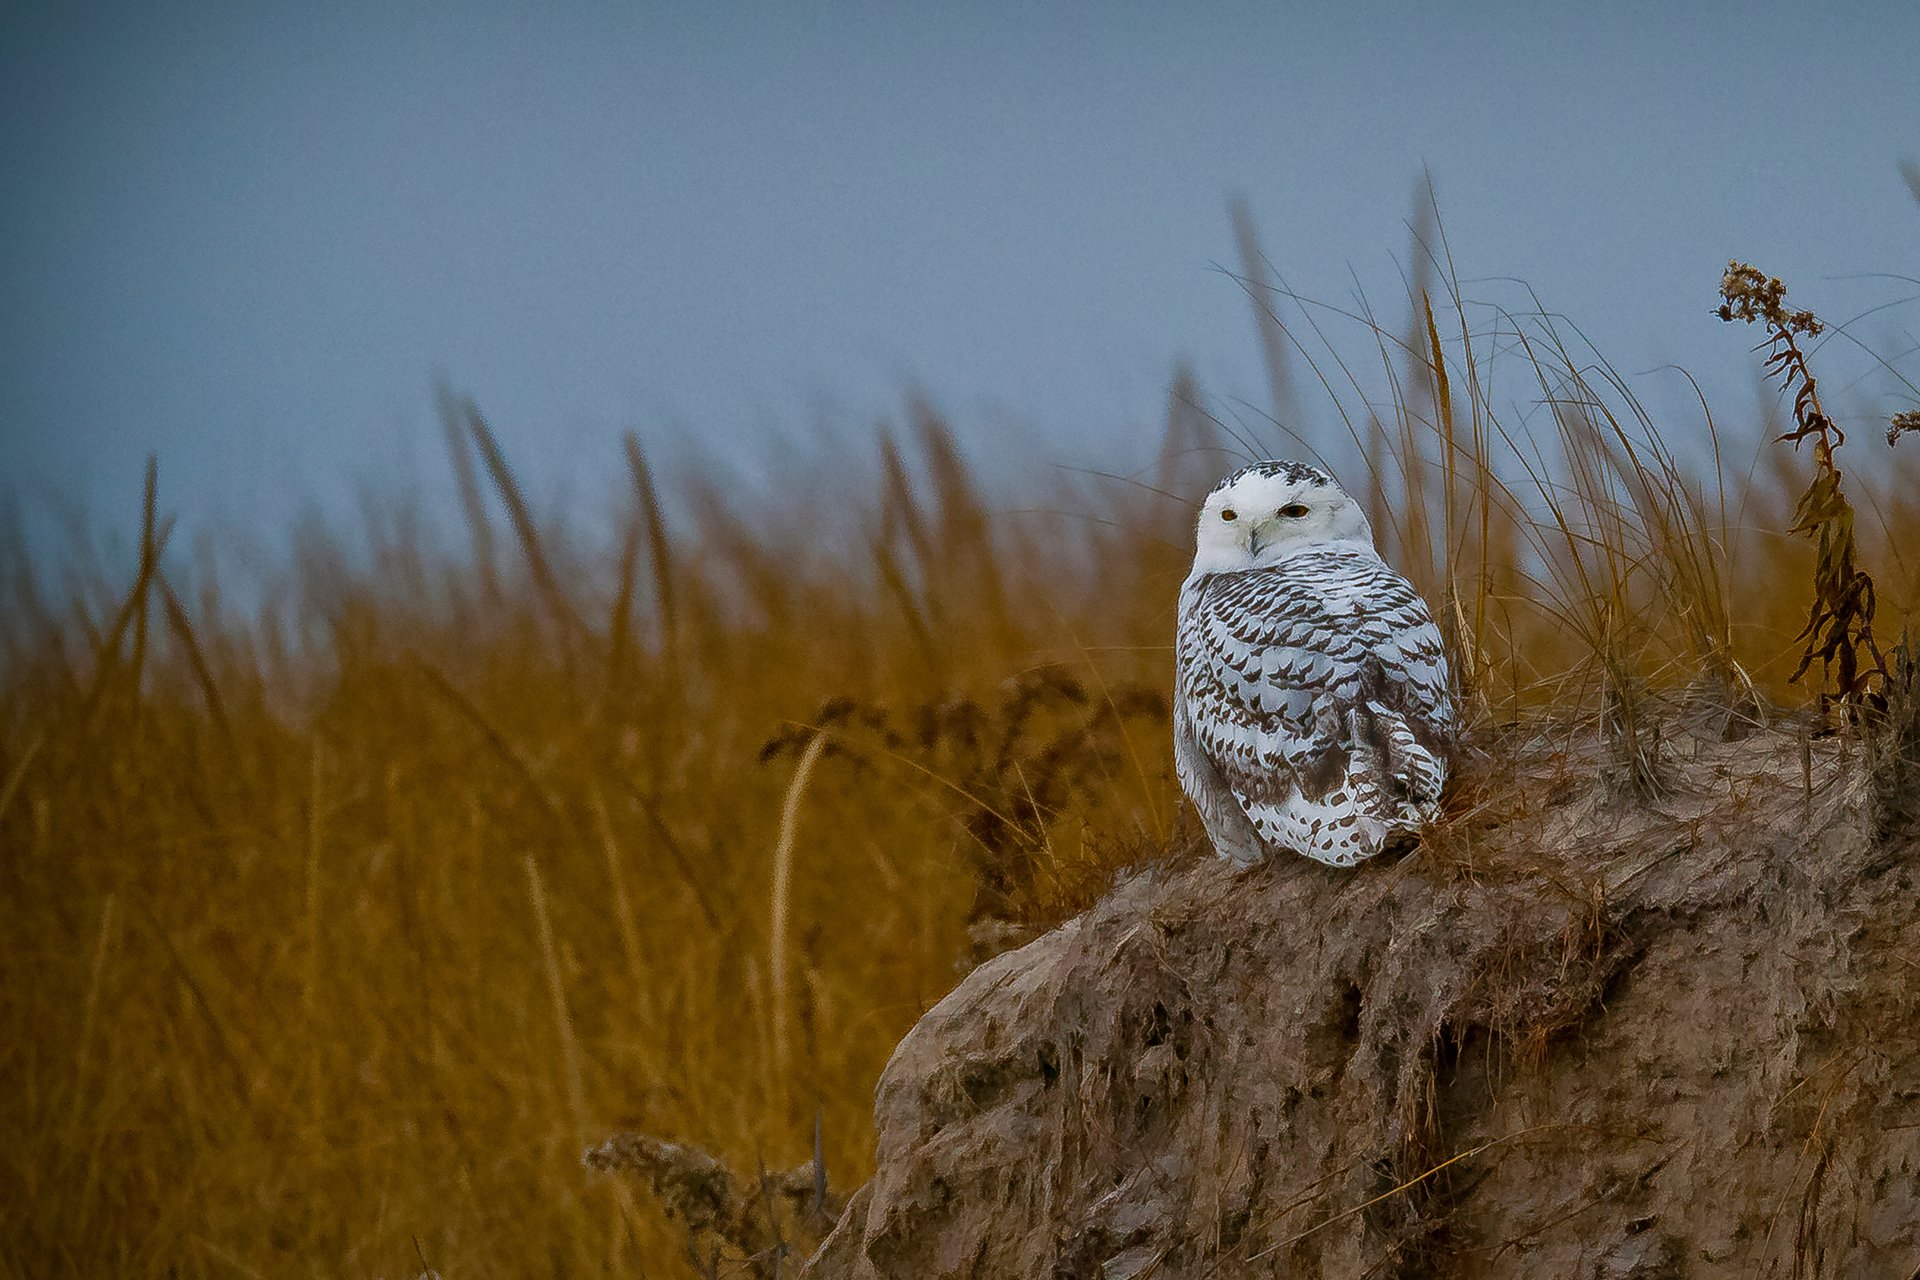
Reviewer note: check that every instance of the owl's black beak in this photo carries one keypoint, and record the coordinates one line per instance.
(1253, 542)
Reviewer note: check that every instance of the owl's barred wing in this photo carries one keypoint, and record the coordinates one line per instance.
(1297, 676)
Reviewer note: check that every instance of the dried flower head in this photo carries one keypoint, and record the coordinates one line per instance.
(1749, 294)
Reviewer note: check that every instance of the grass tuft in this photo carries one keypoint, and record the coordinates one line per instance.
(334, 924)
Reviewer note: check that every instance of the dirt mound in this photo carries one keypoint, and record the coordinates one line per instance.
(1579, 1033)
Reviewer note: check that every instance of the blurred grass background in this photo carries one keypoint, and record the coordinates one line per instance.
(339, 923)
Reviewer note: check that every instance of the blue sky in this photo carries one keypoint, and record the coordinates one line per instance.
(249, 237)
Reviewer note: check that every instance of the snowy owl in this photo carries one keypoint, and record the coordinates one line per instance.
(1311, 705)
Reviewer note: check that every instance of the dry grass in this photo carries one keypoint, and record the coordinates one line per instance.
(336, 926)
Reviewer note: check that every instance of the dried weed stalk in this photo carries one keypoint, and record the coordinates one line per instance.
(1839, 629)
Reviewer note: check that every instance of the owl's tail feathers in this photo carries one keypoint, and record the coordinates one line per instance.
(1391, 788)
(1338, 829)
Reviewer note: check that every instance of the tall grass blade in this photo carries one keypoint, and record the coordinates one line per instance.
(780, 911)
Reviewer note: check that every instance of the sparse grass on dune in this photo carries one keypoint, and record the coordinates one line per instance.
(336, 932)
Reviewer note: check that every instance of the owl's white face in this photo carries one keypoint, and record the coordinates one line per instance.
(1262, 514)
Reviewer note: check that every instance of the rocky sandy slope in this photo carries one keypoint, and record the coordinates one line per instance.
(1580, 1033)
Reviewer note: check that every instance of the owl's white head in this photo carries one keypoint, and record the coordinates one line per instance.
(1261, 514)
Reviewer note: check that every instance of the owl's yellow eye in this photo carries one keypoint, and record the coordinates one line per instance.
(1229, 514)
(1293, 510)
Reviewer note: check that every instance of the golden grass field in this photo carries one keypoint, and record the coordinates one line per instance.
(337, 927)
